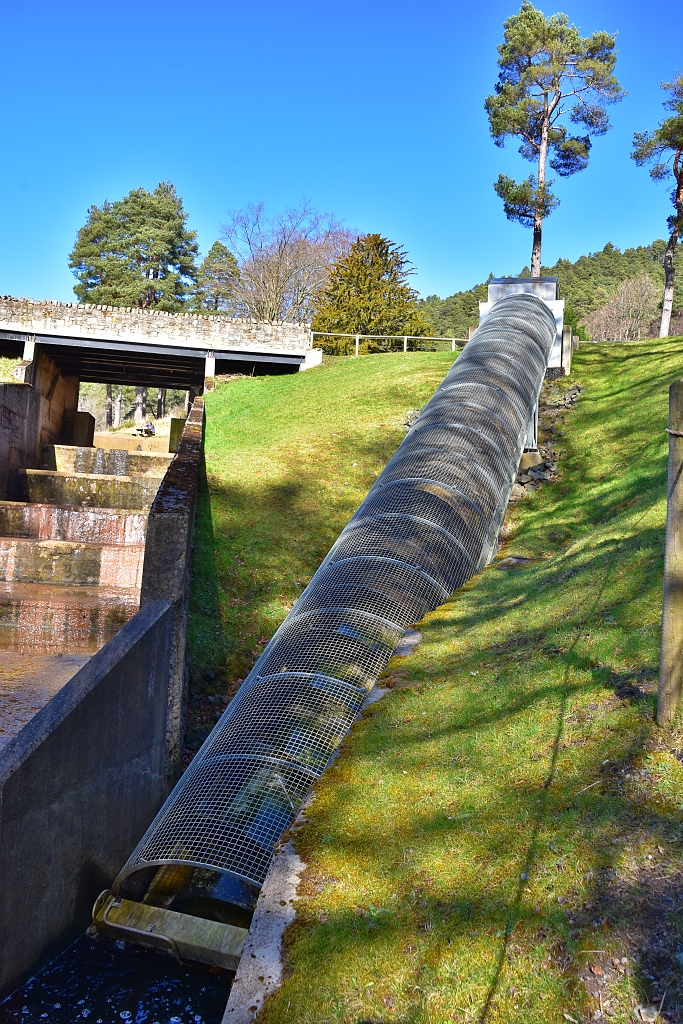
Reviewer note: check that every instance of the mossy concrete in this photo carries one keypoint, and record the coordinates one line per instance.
(90, 525)
(32, 414)
(70, 563)
(107, 461)
(86, 489)
(166, 572)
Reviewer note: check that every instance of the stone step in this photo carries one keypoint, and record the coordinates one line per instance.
(112, 462)
(65, 522)
(130, 442)
(61, 620)
(51, 487)
(71, 563)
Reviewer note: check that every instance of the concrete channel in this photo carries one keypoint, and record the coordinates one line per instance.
(95, 542)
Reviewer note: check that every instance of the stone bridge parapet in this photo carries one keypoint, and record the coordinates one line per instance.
(118, 323)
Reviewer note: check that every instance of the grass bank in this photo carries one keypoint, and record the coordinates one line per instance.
(7, 366)
(501, 837)
(288, 460)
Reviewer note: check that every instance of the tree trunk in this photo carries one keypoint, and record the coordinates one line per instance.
(667, 304)
(161, 403)
(140, 406)
(538, 212)
(117, 408)
(108, 409)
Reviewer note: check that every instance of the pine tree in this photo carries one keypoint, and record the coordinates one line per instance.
(660, 148)
(136, 251)
(549, 75)
(587, 284)
(216, 279)
(367, 292)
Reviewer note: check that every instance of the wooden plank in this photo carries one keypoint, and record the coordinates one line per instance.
(190, 938)
(671, 660)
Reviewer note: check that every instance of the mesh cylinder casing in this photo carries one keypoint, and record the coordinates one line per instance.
(427, 525)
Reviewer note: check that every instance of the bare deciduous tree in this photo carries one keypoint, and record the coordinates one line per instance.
(284, 261)
(629, 314)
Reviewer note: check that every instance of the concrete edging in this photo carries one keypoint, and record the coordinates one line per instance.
(79, 785)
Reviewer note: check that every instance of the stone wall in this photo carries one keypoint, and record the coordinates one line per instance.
(113, 323)
(79, 785)
(166, 575)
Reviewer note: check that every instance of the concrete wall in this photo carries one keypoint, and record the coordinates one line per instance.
(191, 330)
(51, 487)
(78, 787)
(166, 576)
(31, 415)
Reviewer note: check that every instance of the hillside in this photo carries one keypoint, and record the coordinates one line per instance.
(500, 839)
(586, 285)
(288, 459)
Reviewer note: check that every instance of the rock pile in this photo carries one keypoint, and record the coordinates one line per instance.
(531, 478)
(537, 468)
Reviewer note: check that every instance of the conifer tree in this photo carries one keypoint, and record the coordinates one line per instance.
(663, 148)
(216, 280)
(550, 77)
(136, 251)
(368, 292)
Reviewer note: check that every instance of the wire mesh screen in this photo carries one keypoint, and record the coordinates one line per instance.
(426, 526)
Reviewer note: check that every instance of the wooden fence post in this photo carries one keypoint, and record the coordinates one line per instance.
(405, 343)
(357, 342)
(671, 659)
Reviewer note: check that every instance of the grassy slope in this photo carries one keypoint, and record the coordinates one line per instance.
(510, 807)
(7, 368)
(288, 459)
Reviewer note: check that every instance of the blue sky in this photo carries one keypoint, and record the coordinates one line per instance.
(372, 110)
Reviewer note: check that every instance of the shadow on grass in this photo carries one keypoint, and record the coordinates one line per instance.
(606, 814)
(204, 634)
(257, 545)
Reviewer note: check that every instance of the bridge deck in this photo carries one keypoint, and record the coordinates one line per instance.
(106, 344)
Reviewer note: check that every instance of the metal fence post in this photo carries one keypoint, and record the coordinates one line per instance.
(405, 343)
(671, 659)
(357, 341)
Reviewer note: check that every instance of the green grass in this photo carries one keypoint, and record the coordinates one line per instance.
(6, 368)
(288, 460)
(488, 825)
(510, 807)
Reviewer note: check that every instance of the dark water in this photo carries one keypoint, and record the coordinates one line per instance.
(102, 983)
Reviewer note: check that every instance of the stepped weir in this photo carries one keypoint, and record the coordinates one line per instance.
(95, 541)
(72, 546)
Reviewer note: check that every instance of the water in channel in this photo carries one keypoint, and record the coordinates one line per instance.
(106, 982)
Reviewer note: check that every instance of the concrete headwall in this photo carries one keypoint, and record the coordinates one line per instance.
(191, 330)
(165, 574)
(32, 416)
(79, 785)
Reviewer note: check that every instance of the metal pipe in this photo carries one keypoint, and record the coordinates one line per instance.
(428, 523)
